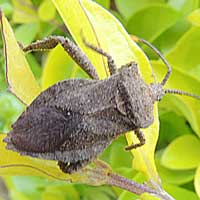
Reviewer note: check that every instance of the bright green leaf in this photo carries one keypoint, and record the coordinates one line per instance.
(20, 78)
(102, 29)
(147, 196)
(180, 193)
(194, 17)
(170, 130)
(7, 8)
(166, 41)
(184, 6)
(176, 155)
(185, 55)
(24, 12)
(57, 67)
(104, 3)
(46, 11)
(61, 192)
(26, 33)
(127, 196)
(197, 181)
(10, 109)
(169, 176)
(127, 8)
(186, 106)
(146, 23)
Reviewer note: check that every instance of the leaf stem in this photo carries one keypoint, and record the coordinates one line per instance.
(136, 188)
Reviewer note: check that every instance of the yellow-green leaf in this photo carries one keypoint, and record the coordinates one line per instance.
(197, 181)
(186, 106)
(177, 149)
(20, 78)
(57, 65)
(46, 11)
(194, 17)
(103, 30)
(24, 12)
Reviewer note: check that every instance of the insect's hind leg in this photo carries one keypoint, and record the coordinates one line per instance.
(73, 166)
(111, 64)
(72, 49)
(141, 138)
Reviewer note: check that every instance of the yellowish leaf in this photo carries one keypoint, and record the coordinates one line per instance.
(197, 181)
(20, 78)
(24, 12)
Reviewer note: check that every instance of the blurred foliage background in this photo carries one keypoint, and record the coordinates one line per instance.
(173, 26)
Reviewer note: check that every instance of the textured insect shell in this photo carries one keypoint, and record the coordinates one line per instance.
(76, 119)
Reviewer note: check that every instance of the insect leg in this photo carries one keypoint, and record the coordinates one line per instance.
(141, 138)
(72, 166)
(73, 50)
(111, 64)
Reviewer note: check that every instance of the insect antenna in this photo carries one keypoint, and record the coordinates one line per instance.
(136, 39)
(180, 92)
(165, 79)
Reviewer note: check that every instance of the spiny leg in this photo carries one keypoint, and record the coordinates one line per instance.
(73, 50)
(141, 138)
(111, 64)
(72, 166)
(136, 39)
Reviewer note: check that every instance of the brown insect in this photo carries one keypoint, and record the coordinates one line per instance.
(75, 120)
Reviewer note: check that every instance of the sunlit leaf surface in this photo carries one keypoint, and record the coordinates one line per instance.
(20, 78)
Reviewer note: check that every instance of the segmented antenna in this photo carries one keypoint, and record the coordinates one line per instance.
(180, 92)
(163, 82)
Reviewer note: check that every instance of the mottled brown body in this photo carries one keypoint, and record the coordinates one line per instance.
(75, 120)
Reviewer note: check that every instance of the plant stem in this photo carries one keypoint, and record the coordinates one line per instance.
(136, 188)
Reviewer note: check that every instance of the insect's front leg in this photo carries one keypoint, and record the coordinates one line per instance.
(73, 50)
(141, 138)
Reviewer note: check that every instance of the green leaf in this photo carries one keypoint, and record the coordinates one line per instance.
(6, 7)
(24, 12)
(104, 3)
(186, 106)
(10, 109)
(197, 181)
(170, 130)
(103, 30)
(57, 67)
(26, 33)
(184, 6)
(166, 41)
(175, 156)
(180, 193)
(169, 176)
(19, 75)
(194, 17)
(147, 196)
(127, 8)
(127, 196)
(46, 11)
(185, 55)
(61, 192)
(146, 23)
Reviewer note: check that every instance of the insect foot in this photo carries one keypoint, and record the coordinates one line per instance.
(73, 121)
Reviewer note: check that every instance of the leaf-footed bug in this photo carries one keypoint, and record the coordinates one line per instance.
(75, 120)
